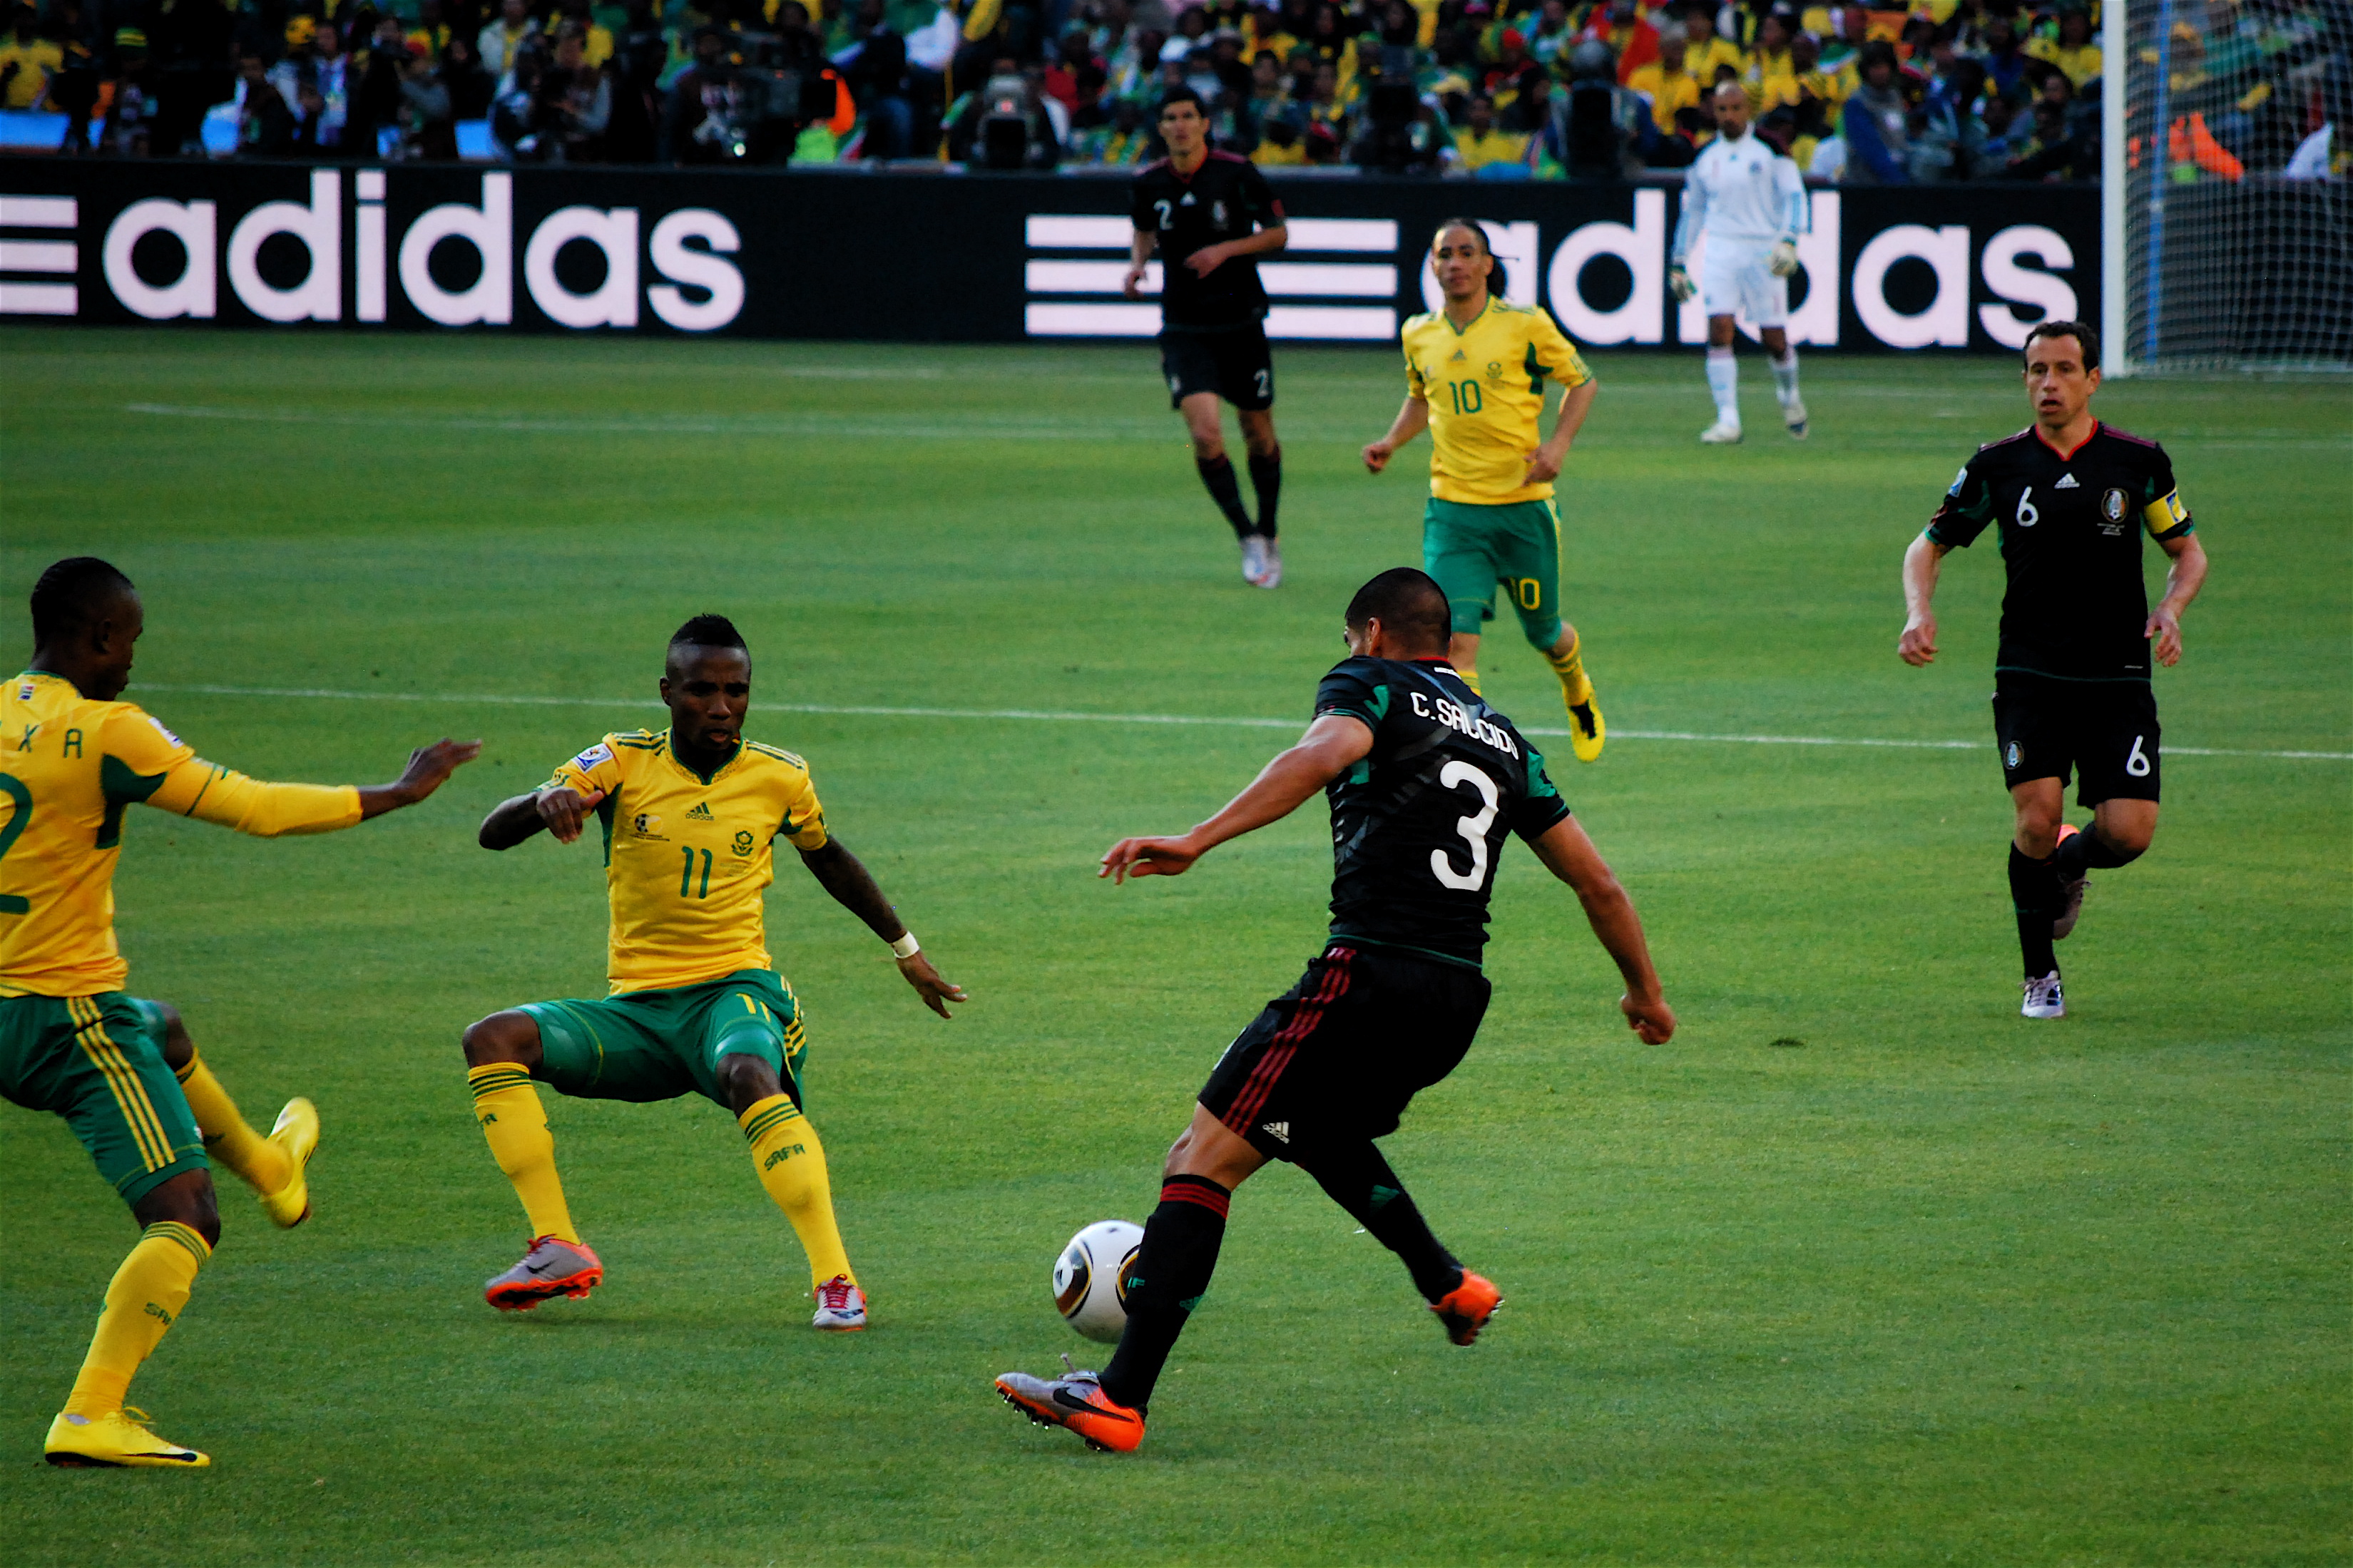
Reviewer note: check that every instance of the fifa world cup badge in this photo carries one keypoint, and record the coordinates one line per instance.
(2009, 758)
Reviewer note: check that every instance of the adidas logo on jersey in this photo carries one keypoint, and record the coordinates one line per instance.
(1278, 1130)
(2066, 482)
(702, 812)
(1457, 359)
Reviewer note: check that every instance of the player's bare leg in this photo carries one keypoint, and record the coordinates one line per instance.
(790, 1163)
(501, 1051)
(1266, 484)
(276, 1167)
(1204, 423)
(1722, 383)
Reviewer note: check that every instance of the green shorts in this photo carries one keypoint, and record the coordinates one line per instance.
(97, 1061)
(1470, 549)
(657, 1045)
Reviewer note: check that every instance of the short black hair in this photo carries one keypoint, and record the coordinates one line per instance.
(2079, 331)
(1176, 95)
(71, 593)
(1409, 602)
(710, 631)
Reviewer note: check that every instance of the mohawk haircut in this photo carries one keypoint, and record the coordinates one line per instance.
(1409, 602)
(710, 631)
(71, 593)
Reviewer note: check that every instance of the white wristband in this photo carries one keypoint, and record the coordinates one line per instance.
(906, 947)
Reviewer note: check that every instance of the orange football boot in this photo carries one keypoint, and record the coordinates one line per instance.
(1464, 1311)
(1079, 1403)
(549, 1268)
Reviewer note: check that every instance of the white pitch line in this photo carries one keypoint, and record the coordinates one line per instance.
(865, 710)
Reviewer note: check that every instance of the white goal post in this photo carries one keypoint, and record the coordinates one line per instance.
(2226, 237)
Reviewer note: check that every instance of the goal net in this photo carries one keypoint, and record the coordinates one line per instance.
(2228, 191)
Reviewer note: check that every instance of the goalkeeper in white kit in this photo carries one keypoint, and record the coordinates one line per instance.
(1748, 203)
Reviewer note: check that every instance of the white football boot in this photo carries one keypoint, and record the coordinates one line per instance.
(1254, 559)
(2044, 999)
(840, 1306)
(1722, 433)
(1793, 415)
(1272, 577)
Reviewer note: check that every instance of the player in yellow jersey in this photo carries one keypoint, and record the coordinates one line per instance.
(1475, 373)
(688, 816)
(122, 1070)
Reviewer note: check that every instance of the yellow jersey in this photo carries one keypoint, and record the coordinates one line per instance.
(1484, 385)
(688, 855)
(69, 767)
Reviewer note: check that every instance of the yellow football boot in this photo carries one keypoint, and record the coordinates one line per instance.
(1586, 729)
(296, 1133)
(94, 1442)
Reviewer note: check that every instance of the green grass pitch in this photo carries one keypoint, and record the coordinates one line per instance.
(1861, 1268)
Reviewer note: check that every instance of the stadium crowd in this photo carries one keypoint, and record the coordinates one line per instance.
(1956, 90)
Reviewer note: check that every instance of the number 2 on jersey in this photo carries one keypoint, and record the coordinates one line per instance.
(1473, 829)
(22, 798)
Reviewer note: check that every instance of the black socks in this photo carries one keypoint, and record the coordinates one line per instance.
(1217, 474)
(1266, 479)
(1170, 1274)
(2087, 851)
(1359, 1180)
(2035, 894)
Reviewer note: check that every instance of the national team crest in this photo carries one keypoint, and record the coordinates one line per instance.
(2009, 757)
(2112, 506)
(1218, 214)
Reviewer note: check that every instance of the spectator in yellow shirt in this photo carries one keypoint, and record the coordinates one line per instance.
(1667, 80)
(1704, 50)
(27, 61)
(2073, 51)
(1771, 77)
(1478, 143)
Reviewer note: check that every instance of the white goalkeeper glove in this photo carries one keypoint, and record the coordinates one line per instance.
(1784, 260)
(1680, 285)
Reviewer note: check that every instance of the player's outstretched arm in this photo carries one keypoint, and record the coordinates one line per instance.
(428, 769)
(210, 792)
(2183, 581)
(559, 808)
(1412, 420)
(1922, 561)
(841, 874)
(1569, 855)
(1334, 743)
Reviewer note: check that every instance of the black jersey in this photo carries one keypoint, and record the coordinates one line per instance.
(1418, 825)
(2071, 526)
(1225, 198)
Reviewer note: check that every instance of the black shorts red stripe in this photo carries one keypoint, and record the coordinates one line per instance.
(1339, 1055)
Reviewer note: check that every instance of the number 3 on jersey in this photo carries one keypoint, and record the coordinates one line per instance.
(1473, 829)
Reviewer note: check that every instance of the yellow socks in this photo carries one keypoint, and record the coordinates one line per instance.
(791, 1164)
(146, 1295)
(227, 1139)
(1470, 679)
(509, 1109)
(1574, 689)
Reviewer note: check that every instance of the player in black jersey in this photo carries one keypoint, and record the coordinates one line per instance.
(2072, 498)
(1426, 782)
(1212, 215)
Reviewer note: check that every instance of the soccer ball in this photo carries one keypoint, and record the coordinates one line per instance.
(1091, 1278)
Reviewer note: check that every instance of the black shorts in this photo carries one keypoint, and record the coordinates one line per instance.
(1339, 1056)
(1233, 361)
(2106, 731)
